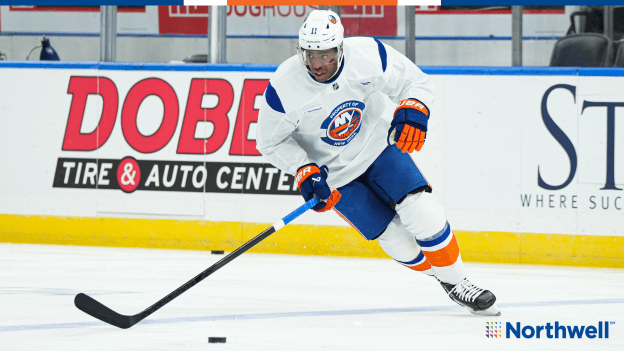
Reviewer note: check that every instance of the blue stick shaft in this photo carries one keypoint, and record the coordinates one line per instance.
(301, 210)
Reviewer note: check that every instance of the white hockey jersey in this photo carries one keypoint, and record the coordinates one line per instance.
(342, 124)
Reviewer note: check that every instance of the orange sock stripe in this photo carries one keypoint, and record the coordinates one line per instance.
(444, 257)
(420, 267)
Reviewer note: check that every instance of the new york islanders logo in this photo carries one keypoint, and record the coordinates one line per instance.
(343, 123)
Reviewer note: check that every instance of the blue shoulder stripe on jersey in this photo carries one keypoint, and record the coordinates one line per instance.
(273, 99)
(436, 239)
(382, 54)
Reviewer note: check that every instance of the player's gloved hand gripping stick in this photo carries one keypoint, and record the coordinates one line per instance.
(408, 128)
(94, 308)
(312, 182)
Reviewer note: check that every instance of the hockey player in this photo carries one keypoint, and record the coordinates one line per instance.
(344, 114)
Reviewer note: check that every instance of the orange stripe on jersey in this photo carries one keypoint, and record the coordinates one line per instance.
(444, 257)
(351, 224)
(420, 267)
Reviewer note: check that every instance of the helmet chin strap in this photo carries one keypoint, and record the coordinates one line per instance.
(337, 68)
(340, 58)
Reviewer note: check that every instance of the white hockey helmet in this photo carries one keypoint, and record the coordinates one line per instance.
(321, 30)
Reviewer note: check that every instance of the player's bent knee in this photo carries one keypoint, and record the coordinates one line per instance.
(422, 215)
(398, 243)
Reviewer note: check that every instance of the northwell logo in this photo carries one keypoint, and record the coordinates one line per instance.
(549, 331)
(493, 329)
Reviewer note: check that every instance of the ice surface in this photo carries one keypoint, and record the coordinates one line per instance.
(284, 302)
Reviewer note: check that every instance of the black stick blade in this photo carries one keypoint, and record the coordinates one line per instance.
(94, 308)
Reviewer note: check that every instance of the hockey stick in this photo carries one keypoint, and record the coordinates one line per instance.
(94, 308)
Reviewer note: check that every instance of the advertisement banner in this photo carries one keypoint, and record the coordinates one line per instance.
(132, 143)
(276, 20)
(541, 156)
(570, 167)
(527, 166)
(515, 153)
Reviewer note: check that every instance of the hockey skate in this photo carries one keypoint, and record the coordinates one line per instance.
(476, 300)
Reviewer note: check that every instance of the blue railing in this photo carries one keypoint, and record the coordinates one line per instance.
(245, 67)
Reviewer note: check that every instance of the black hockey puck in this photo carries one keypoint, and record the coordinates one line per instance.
(214, 340)
(218, 252)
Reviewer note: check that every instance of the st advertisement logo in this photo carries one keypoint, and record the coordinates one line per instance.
(553, 200)
(556, 330)
(129, 175)
(565, 142)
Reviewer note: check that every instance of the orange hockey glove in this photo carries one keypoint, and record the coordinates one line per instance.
(408, 128)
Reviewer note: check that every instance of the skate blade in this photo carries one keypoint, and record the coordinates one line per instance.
(492, 311)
